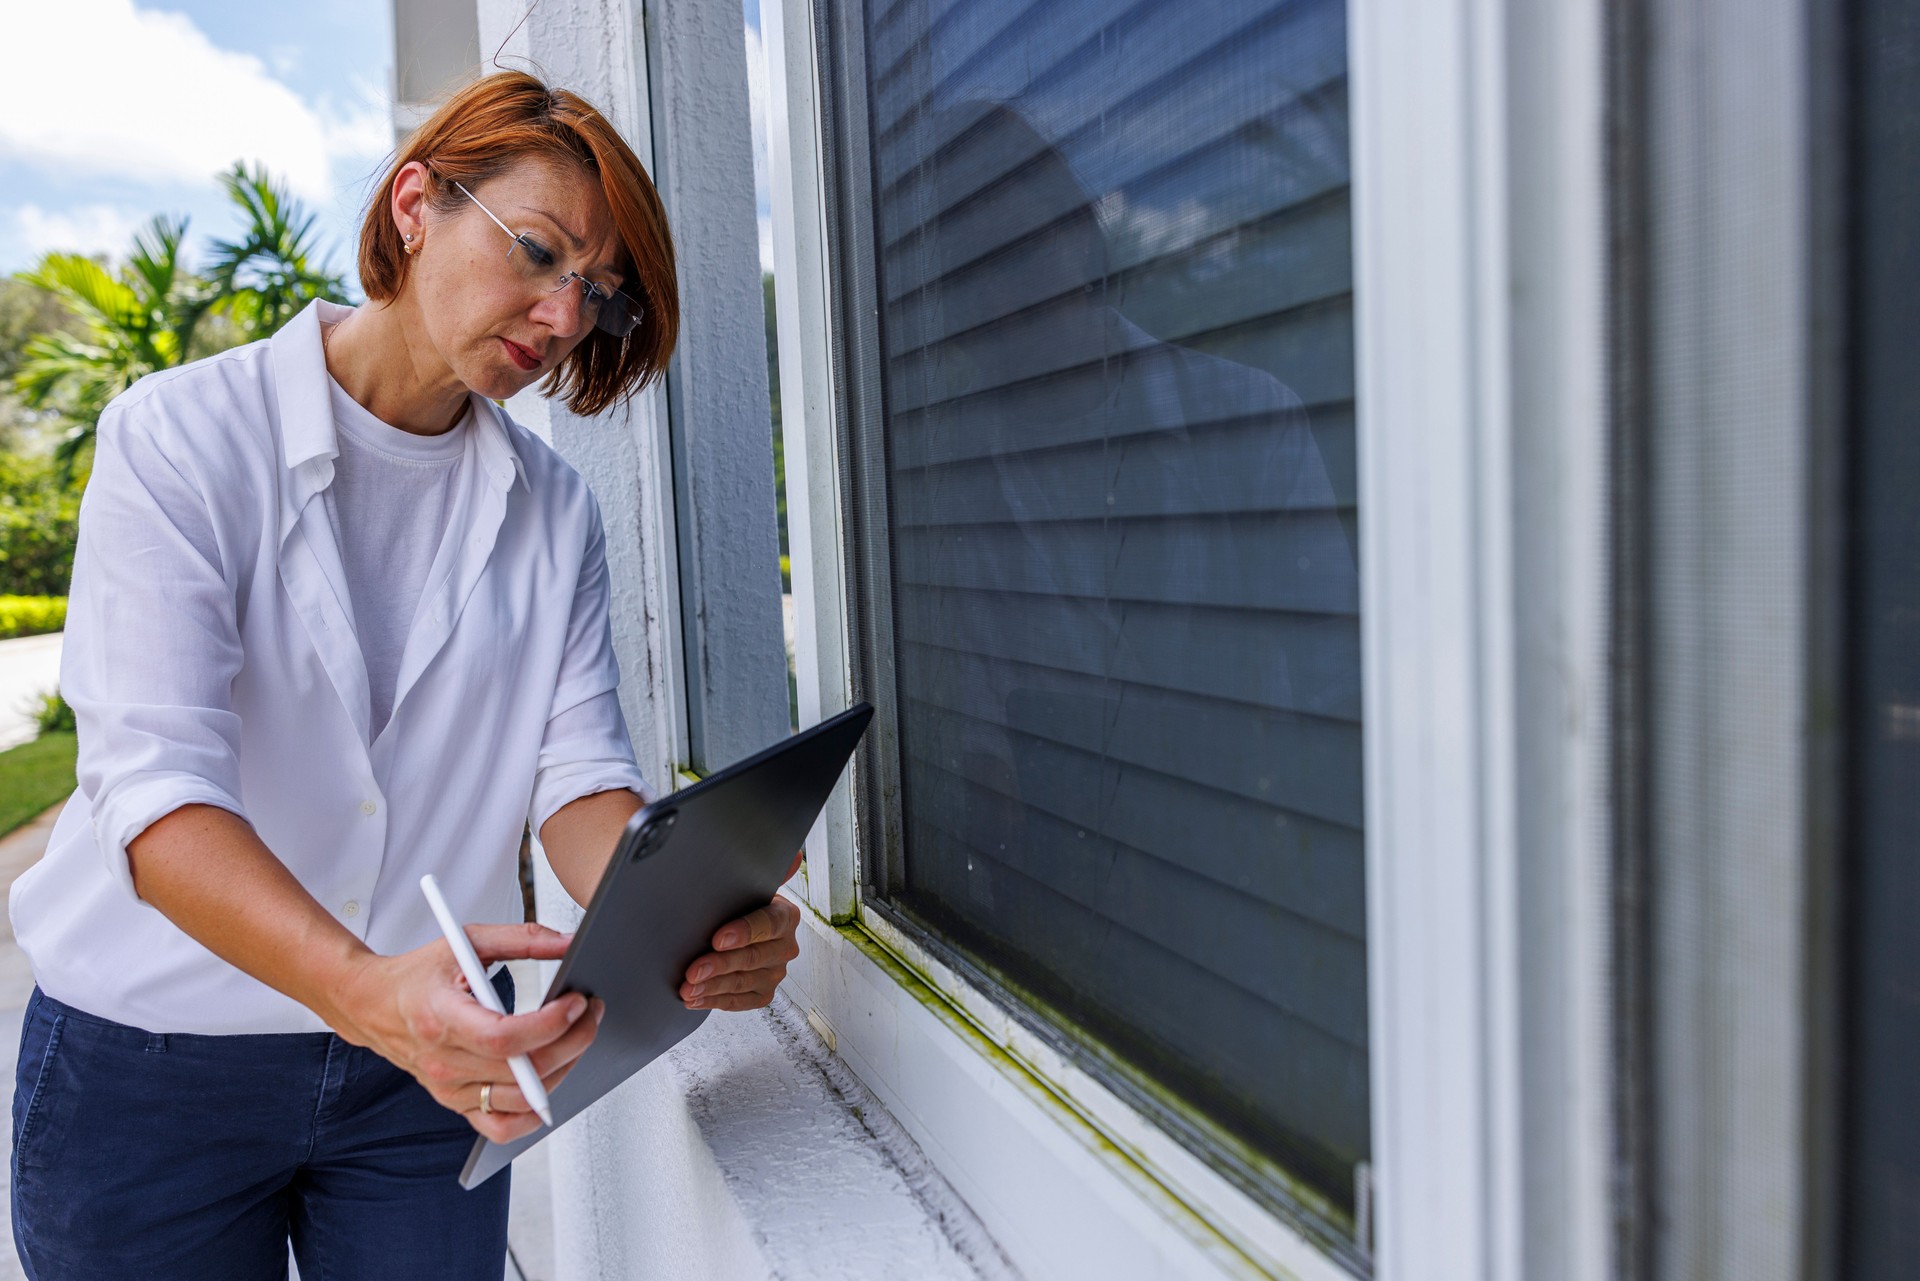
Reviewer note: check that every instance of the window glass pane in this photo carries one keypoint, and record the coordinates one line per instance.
(1113, 275)
(1881, 1180)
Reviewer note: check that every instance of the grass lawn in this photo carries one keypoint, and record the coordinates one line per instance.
(34, 776)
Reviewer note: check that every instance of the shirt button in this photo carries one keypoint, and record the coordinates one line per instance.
(368, 807)
(351, 908)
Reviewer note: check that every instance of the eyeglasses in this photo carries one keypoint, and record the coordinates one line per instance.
(607, 308)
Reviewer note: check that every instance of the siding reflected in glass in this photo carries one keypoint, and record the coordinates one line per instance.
(1113, 275)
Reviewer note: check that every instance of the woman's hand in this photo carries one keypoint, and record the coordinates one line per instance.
(748, 960)
(416, 1011)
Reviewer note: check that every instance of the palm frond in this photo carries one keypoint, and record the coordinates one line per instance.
(268, 273)
(84, 285)
(155, 261)
(144, 315)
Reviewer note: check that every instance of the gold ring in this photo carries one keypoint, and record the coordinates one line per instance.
(486, 1098)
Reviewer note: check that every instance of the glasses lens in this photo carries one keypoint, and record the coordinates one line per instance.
(618, 314)
(529, 257)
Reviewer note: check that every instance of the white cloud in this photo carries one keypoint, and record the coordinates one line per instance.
(757, 104)
(158, 101)
(359, 129)
(757, 98)
(90, 229)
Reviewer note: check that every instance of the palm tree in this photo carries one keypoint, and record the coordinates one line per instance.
(268, 275)
(147, 315)
(136, 321)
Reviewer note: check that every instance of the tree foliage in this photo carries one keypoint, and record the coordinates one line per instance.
(39, 521)
(263, 279)
(134, 321)
(149, 313)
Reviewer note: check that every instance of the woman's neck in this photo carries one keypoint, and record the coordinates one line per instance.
(376, 357)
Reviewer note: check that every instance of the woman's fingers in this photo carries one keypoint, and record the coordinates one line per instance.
(473, 1044)
(565, 1051)
(732, 984)
(468, 1026)
(776, 918)
(528, 941)
(751, 957)
(772, 954)
(755, 999)
(502, 1127)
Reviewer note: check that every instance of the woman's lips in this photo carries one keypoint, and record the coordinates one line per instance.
(521, 356)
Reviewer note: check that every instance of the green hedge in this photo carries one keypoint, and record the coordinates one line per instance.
(31, 615)
(39, 521)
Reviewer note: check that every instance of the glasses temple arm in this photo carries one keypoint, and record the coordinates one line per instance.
(483, 209)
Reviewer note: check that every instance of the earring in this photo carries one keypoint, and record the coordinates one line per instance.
(409, 245)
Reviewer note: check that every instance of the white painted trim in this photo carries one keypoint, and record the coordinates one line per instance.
(822, 673)
(1431, 323)
(1479, 295)
(1070, 1180)
(1176, 1174)
(1558, 371)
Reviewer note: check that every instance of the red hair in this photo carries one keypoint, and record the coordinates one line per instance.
(485, 129)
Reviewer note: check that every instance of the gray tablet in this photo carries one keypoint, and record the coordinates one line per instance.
(686, 865)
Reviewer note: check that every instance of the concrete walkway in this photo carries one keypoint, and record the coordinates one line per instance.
(29, 667)
(530, 1218)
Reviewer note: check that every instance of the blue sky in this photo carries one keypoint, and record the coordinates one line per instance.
(164, 95)
(170, 92)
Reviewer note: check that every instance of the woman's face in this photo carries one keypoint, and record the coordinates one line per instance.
(476, 306)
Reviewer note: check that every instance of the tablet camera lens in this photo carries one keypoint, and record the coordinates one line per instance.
(655, 836)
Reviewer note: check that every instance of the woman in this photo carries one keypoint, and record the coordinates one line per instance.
(337, 621)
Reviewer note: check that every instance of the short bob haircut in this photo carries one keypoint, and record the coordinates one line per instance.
(488, 127)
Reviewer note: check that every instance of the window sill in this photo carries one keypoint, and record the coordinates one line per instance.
(1069, 1179)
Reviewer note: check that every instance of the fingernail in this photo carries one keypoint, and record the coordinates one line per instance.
(577, 1007)
(696, 1005)
(701, 971)
(697, 991)
(730, 939)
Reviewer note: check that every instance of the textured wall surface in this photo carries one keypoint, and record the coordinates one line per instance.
(723, 428)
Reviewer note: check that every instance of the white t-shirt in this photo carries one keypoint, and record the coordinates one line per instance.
(388, 504)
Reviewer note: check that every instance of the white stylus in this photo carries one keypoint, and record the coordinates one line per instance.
(523, 1073)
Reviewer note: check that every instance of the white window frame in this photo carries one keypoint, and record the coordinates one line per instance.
(1478, 183)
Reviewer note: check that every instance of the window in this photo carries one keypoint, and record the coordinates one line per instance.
(1095, 277)
(1880, 1183)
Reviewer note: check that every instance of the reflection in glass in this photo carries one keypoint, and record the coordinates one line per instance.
(1116, 334)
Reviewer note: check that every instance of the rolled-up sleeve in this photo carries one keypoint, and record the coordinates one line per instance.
(585, 747)
(152, 645)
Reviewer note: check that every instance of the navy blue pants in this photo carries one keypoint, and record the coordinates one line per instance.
(137, 1155)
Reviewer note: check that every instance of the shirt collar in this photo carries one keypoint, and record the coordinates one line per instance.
(307, 440)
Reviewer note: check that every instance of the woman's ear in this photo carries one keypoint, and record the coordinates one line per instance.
(408, 203)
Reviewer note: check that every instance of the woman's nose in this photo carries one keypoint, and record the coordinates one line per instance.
(563, 311)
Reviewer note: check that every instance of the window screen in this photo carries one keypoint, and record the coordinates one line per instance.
(1108, 447)
(1881, 1169)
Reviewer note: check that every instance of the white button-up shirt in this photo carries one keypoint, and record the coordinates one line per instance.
(210, 659)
